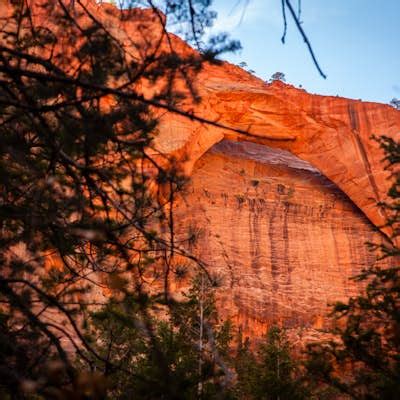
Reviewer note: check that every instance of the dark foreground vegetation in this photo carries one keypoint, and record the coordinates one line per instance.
(86, 222)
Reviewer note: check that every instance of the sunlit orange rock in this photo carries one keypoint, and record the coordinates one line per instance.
(282, 238)
(283, 217)
(333, 134)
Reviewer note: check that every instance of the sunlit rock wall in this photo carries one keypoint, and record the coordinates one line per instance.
(284, 240)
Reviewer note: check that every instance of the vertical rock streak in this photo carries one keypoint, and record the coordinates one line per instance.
(284, 238)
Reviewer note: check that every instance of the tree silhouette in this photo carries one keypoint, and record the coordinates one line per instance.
(83, 202)
(395, 103)
(270, 372)
(179, 356)
(278, 76)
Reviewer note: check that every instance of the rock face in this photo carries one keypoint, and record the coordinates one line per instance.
(284, 215)
(283, 239)
(332, 134)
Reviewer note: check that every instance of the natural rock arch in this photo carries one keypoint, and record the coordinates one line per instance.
(281, 238)
(333, 134)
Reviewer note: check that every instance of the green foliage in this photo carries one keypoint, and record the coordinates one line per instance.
(247, 369)
(271, 373)
(278, 76)
(395, 103)
(76, 205)
(177, 354)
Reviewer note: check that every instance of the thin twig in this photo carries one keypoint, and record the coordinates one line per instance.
(305, 38)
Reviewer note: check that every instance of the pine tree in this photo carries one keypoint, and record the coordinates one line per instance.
(77, 212)
(180, 354)
(278, 76)
(246, 368)
(271, 373)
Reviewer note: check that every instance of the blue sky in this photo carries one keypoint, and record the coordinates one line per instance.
(356, 42)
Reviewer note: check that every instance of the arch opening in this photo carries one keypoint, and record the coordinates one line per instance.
(282, 237)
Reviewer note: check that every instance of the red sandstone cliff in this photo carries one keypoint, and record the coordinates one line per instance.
(283, 239)
(333, 134)
(285, 233)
